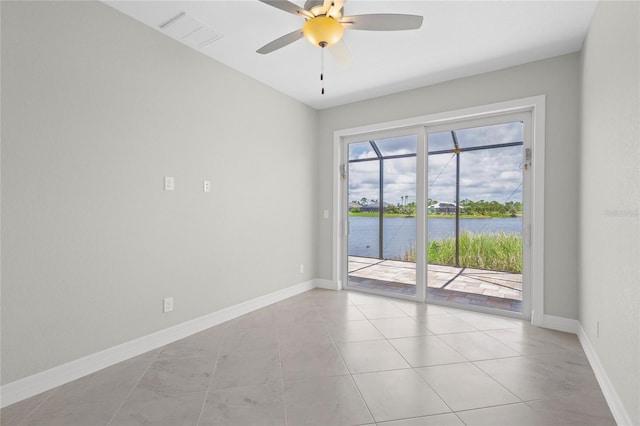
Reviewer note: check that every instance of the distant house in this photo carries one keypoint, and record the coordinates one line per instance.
(373, 207)
(444, 208)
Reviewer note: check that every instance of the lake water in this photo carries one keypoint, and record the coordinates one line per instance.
(400, 232)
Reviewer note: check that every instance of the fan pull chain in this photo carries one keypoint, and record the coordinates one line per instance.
(322, 69)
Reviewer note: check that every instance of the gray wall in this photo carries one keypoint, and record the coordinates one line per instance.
(610, 196)
(557, 78)
(96, 109)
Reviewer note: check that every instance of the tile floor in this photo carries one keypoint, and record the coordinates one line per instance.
(340, 358)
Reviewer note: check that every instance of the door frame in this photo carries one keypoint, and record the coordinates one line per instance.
(533, 234)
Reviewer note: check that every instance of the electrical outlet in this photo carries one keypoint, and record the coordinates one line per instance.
(302, 268)
(206, 186)
(169, 184)
(168, 304)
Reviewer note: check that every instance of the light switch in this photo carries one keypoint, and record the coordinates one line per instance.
(325, 214)
(169, 183)
(206, 186)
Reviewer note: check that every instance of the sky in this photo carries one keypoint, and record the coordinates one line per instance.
(490, 175)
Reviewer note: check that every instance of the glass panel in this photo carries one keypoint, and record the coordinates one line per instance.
(491, 232)
(441, 224)
(388, 266)
(360, 150)
(491, 175)
(396, 146)
(490, 135)
(364, 192)
(440, 141)
(400, 209)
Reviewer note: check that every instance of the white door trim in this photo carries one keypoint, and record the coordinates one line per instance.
(536, 105)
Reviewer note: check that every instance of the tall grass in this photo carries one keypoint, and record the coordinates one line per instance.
(492, 251)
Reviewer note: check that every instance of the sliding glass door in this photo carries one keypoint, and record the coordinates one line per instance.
(477, 187)
(441, 213)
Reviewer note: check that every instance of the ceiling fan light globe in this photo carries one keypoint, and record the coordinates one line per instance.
(323, 31)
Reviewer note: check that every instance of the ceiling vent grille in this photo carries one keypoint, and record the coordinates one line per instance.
(190, 31)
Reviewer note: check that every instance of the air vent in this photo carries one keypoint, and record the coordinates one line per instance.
(190, 31)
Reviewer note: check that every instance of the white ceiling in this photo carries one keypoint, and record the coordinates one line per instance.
(457, 39)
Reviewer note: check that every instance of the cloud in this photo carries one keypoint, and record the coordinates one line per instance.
(490, 175)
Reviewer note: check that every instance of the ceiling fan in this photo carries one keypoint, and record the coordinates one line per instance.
(325, 25)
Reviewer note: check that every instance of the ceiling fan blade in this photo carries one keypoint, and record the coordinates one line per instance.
(382, 22)
(280, 42)
(326, 6)
(341, 54)
(287, 6)
(336, 8)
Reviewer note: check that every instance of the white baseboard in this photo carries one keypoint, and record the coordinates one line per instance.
(561, 324)
(615, 405)
(56, 376)
(327, 284)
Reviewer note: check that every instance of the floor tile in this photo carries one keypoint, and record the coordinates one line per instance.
(247, 405)
(329, 298)
(359, 298)
(303, 334)
(304, 315)
(244, 368)
(393, 328)
(581, 409)
(488, 322)
(465, 387)
(248, 339)
(178, 375)
(381, 310)
(415, 309)
(398, 394)
(325, 401)
(424, 351)
(203, 344)
(449, 419)
(297, 302)
(530, 340)
(260, 318)
(506, 415)
(115, 382)
(368, 356)
(54, 413)
(15, 413)
(354, 331)
(92, 399)
(316, 360)
(444, 324)
(340, 314)
(145, 407)
(477, 346)
(542, 376)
